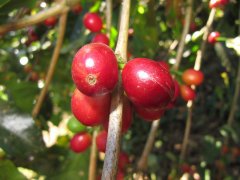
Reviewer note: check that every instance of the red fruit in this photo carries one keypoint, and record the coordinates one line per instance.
(123, 160)
(93, 22)
(176, 95)
(185, 168)
(50, 21)
(212, 38)
(32, 35)
(217, 3)
(101, 141)
(149, 114)
(77, 9)
(192, 77)
(164, 65)
(90, 111)
(193, 25)
(101, 38)
(224, 149)
(80, 142)
(127, 116)
(95, 69)
(34, 76)
(120, 175)
(187, 93)
(147, 83)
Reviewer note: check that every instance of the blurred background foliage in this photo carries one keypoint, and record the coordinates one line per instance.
(155, 25)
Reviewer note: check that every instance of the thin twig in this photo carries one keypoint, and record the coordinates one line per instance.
(142, 163)
(115, 119)
(197, 66)
(93, 157)
(185, 31)
(35, 19)
(200, 52)
(108, 16)
(187, 130)
(54, 60)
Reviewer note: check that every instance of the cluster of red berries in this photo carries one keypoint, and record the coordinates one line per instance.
(213, 36)
(190, 77)
(93, 22)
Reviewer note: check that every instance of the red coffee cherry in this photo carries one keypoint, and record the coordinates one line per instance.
(101, 141)
(90, 111)
(149, 114)
(101, 38)
(212, 38)
(192, 77)
(123, 160)
(77, 9)
(93, 22)
(34, 76)
(50, 21)
(95, 69)
(120, 175)
(176, 95)
(187, 93)
(127, 116)
(217, 3)
(147, 83)
(80, 142)
(165, 65)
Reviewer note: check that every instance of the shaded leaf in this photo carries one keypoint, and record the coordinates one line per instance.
(9, 171)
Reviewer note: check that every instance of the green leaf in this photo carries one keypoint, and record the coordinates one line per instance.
(20, 135)
(23, 94)
(210, 150)
(3, 2)
(76, 165)
(9, 171)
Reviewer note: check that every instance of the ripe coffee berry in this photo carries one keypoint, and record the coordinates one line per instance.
(149, 114)
(192, 77)
(93, 22)
(90, 111)
(77, 9)
(212, 38)
(176, 95)
(147, 83)
(80, 142)
(217, 3)
(101, 141)
(164, 65)
(123, 160)
(100, 38)
(187, 93)
(95, 69)
(51, 21)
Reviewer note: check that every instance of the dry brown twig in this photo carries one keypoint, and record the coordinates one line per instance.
(93, 157)
(35, 19)
(197, 66)
(54, 60)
